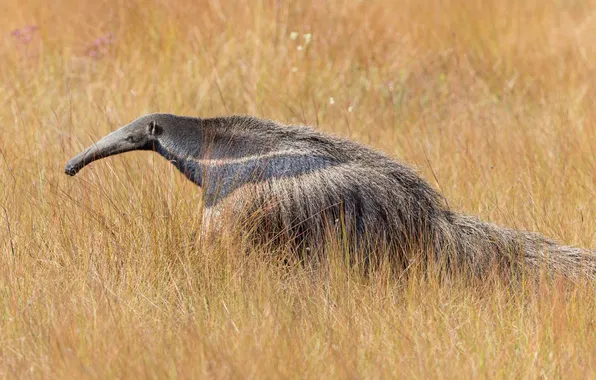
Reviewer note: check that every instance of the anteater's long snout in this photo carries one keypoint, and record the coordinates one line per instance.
(112, 144)
(75, 164)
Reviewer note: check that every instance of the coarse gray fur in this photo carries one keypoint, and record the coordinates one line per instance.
(294, 185)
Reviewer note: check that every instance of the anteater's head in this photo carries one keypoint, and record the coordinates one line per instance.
(144, 133)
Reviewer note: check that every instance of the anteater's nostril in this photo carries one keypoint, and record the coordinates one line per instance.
(70, 170)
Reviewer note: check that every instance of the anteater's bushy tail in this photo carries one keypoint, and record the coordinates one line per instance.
(482, 245)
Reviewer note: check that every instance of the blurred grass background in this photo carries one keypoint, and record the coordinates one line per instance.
(493, 102)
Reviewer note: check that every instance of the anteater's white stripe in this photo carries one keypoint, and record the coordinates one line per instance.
(240, 160)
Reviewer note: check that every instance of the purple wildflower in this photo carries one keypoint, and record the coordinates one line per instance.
(100, 46)
(25, 34)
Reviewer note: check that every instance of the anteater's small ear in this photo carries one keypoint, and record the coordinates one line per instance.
(153, 129)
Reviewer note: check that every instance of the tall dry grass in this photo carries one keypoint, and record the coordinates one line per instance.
(100, 275)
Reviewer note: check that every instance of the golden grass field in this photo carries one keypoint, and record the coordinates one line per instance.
(493, 101)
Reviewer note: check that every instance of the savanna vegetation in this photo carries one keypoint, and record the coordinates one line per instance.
(101, 276)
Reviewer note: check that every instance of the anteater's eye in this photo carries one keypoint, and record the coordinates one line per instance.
(130, 139)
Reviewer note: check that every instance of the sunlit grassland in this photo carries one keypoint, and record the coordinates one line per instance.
(101, 276)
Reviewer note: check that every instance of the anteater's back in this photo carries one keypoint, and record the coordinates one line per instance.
(378, 205)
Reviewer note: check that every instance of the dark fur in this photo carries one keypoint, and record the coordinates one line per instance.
(295, 186)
